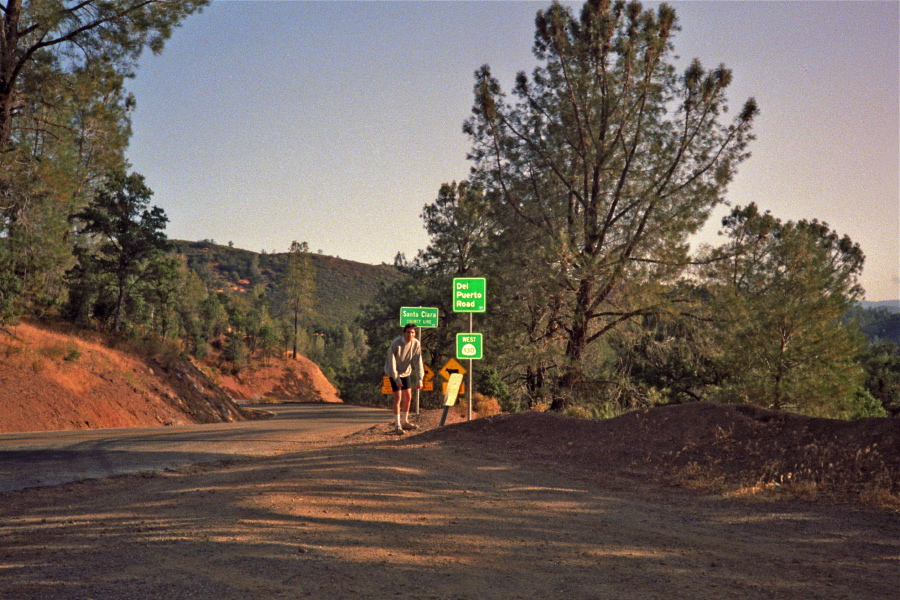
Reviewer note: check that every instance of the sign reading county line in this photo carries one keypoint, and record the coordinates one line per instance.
(468, 345)
(418, 315)
(469, 294)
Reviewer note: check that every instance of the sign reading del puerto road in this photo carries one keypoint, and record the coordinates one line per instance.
(419, 315)
(469, 295)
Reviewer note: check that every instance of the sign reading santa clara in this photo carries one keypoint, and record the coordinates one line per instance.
(469, 295)
(419, 315)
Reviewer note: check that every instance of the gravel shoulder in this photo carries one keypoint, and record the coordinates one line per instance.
(436, 515)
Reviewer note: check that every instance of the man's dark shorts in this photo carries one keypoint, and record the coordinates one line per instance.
(404, 383)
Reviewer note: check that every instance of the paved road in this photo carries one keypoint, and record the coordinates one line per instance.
(56, 457)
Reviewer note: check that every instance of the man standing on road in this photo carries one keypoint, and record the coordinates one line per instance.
(404, 356)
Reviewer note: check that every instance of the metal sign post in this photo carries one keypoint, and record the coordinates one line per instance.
(471, 370)
(469, 295)
(455, 380)
(427, 385)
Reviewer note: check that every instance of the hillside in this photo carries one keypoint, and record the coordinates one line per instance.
(885, 328)
(891, 306)
(342, 286)
(298, 380)
(54, 378)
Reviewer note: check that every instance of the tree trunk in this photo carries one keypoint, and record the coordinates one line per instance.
(534, 378)
(5, 120)
(120, 301)
(577, 338)
(8, 68)
(295, 333)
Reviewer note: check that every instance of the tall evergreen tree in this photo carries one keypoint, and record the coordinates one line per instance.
(297, 287)
(119, 235)
(778, 291)
(459, 224)
(75, 36)
(163, 284)
(605, 164)
(64, 121)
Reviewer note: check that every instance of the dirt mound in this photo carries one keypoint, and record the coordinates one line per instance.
(54, 379)
(739, 450)
(298, 380)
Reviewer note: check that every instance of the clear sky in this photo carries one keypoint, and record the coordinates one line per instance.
(334, 123)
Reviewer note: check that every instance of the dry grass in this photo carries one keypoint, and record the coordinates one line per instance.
(12, 350)
(829, 471)
(482, 406)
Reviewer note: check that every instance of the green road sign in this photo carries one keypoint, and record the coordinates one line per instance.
(469, 294)
(417, 315)
(468, 345)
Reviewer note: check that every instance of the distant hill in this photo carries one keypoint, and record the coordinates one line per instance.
(878, 320)
(887, 328)
(889, 305)
(342, 286)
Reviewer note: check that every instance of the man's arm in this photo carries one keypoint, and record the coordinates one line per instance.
(390, 365)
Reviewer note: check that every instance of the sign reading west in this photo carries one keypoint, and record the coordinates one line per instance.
(469, 346)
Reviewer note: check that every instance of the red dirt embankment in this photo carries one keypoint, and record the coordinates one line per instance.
(298, 380)
(54, 378)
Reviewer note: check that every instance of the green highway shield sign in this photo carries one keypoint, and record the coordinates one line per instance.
(469, 346)
(469, 294)
(418, 315)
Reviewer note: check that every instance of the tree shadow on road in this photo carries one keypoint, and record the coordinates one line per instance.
(425, 519)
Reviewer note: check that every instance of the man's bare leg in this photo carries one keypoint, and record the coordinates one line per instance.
(397, 405)
(402, 401)
(404, 408)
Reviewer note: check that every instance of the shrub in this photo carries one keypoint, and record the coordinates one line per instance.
(489, 383)
(482, 406)
(73, 352)
(52, 351)
(486, 406)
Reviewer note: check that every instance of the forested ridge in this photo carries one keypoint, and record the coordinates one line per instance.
(342, 286)
(602, 163)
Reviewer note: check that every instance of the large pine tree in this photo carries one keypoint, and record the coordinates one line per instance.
(604, 164)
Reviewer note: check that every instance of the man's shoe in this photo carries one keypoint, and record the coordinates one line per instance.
(400, 431)
(409, 425)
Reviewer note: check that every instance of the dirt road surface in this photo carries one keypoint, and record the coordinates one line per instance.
(46, 458)
(430, 516)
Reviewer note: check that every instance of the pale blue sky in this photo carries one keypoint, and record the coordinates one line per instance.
(334, 123)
